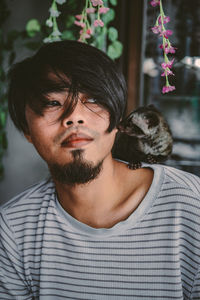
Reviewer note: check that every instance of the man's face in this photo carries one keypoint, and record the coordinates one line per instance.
(81, 136)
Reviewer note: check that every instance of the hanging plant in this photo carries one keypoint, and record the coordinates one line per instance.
(160, 29)
(94, 27)
(93, 24)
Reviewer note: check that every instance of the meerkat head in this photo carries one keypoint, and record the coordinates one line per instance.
(142, 122)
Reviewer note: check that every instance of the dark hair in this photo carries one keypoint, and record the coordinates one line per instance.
(78, 67)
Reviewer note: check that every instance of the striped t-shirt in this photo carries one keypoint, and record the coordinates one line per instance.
(154, 254)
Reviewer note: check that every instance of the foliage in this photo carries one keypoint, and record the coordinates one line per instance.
(3, 97)
(94, 24)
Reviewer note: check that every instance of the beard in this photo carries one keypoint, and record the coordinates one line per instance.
(76, 172)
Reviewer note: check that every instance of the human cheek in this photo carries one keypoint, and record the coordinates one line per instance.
(100, 121)
(40, 135)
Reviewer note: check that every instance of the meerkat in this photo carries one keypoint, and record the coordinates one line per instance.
(144, 136)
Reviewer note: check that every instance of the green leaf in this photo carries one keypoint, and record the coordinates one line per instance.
(72, 4)
(3, 140)
(32, 27)
(112, 34)
(100, 38)
(68, 35)
(2, 119)
(113, 2)
(115, 50)
(70, 21)
(100, 41)
(109, 16)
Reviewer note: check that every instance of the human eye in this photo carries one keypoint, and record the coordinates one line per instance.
(91, 100)
(53, 103)
(51, 106)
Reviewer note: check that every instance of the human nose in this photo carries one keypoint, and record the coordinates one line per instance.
(76, 117)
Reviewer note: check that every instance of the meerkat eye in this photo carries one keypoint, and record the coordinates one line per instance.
(130, 121)
(153, 120)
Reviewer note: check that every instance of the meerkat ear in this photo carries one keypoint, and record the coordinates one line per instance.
(152, 106)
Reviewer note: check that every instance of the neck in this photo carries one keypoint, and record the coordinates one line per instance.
(96, 196)
(109, 198)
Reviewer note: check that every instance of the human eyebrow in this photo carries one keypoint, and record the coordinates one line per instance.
(56, 90)
(54, 93)
(49, 86)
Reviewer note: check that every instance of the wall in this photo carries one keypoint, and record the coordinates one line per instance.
(23, 166)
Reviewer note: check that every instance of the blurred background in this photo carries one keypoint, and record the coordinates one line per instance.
(141, 64)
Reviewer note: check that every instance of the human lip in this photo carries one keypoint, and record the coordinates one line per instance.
(76, 140)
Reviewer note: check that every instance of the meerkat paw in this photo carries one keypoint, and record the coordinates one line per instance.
(151, 159)
(134, 166)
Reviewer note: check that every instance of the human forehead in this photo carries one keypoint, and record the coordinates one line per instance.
(65, 95)
(59, 84)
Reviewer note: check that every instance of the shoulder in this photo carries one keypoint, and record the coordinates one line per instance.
(183, 179)
(175, 188)
(28, 201)
(178, 192)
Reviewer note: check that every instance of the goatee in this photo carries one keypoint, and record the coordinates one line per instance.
(79, 171)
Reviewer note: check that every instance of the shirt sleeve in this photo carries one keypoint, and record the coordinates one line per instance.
(13, 284)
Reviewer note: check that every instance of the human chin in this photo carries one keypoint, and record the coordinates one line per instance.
(79, 171)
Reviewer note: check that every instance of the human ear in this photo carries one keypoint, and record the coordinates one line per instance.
(28, 137)
(116, 130)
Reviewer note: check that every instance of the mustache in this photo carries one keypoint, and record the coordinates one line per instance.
(75, 130)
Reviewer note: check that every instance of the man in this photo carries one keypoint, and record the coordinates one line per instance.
(96, 229)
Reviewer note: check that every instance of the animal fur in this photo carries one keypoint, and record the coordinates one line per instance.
(144, 136)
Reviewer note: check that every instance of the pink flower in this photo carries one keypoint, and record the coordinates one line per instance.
(155, 3)
(167, 72)
(97, 2)
(89, 31)
(79, 17)
(156, 29)
(168, 48)
(81, 24)
(85, 36)
(168, 64)
(166, 33)
(90, 10)
(168, 88)
(166, 19)
(98, 23)
(103, 10)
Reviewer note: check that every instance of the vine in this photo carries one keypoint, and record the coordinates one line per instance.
(166, 46)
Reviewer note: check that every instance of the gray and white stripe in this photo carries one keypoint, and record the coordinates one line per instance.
(154, 254)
